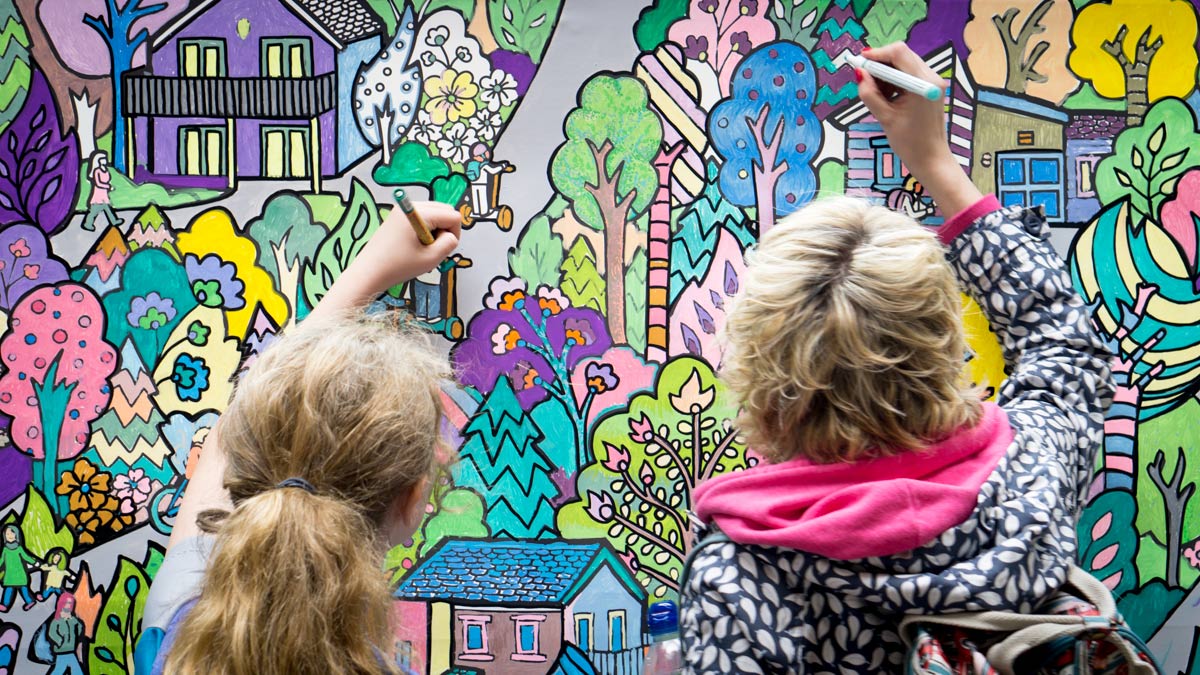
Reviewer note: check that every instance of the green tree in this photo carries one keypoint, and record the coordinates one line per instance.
(524, 26)
(538, 254)
(339, 249)
(889, 21)
(14, 63)
(635, 301)
(120, 620)
(151, 228)
(1148, 160)
(581, 283)
(1165, 508)
(650, 31)
(501, 459)
(287, 241)
(605, 169)
(797, 20)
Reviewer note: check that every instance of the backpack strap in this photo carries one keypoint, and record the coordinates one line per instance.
(716, 537)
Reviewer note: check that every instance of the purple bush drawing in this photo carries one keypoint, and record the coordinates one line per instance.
(25, 264)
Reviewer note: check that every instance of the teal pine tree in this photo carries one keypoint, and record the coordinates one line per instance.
(14, 63)
(501, 460)
(693, 245)
(839, 31)
(581, 282)
(890, 21)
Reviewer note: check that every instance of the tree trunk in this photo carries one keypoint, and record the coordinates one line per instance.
(658, 274)
(385, 119)
(1021, 68)
(85, 124)
(768, 170)
(614, 212)
(1137, 100)
(1175, 497)
(289, 279)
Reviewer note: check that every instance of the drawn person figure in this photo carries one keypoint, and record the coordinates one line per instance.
(55, 571)
(13, 559)
(910, 200)
(481, 170)
(99, 203)
(65, 632)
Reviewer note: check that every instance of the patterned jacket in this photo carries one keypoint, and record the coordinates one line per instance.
(759, 609)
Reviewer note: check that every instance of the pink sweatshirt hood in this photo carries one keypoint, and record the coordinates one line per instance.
(846, 511)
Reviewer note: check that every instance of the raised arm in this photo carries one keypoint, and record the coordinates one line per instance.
(1059, 369)
(392, 256)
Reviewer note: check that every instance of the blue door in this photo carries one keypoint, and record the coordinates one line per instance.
(1032, 179)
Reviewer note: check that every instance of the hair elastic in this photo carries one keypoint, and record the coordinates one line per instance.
(295, 482)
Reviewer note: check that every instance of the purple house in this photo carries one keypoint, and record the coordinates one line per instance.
(251, 89)
(1090, 137)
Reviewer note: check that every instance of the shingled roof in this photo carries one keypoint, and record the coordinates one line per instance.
(541, 573)
(340, 21)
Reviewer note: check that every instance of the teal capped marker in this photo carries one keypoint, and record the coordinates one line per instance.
(897, 78)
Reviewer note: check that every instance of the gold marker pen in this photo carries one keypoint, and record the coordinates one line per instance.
(414, 218)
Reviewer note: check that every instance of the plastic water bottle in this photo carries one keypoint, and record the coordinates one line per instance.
(666, 656)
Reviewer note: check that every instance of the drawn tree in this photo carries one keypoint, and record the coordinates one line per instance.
(109, 254)
(196, 370)
(944, 22)
(797, 20)
(581, 283)
(501, 460)
(1149, 160)
(1175, 494)
(152, 228)
(699, 312)
(767, 134)
(650, 31)
(263, 333)
(537, 340)
(218, 259)
(57, 378)
(452, 512)
(120, 621)
(287, 240)
(1109, 541)
(839, 32)
(720, 33)
(25, 264)
(15, 68)
(116, 27)
(153, 298)
(1139, 50)
(538, 256)
(341, 246)
(651, 455)
(1022, 47)
(387, 90)
(413, 164)
(693, 244)
(636, 300)
(888, 22)
(1180, 219)
(129, 429)
(605, 170)
(524, 26)
(38, 163)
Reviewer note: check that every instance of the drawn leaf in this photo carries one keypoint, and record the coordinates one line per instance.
(1122, 177)
(1136, 157)
(1172, 161)
(50, 189)
(1156, 139)
(690, 341)
(706, 321)
(731, 279)
(38, 118)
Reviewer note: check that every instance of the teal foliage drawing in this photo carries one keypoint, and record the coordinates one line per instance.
(890, 21)
(538, 255)
(155, 295)
(797, 20)
(650, 31)
(524, 26)
(1108, 540)
(693, 245)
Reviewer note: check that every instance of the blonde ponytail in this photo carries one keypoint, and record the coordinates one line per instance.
(295, 582)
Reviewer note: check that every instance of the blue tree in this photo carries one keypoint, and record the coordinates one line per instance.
(501, 459)
(117, 30)
(767, 133)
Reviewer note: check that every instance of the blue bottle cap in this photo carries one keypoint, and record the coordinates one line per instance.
(663, 618)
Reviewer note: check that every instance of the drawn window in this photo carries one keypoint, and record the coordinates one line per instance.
(583, 632)
(1085, 173)
(527, 642)
(286, 57)
(616, 630)
(474, 637)
(1025, 138)
(1032, 179)
(202, 150)
(202, 58)
(285, 152)
(889, 172)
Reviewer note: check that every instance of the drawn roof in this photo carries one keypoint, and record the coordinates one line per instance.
(338, 21)
(939, 60)
(543, 573)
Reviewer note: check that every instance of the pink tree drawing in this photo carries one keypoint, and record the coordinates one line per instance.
(55, 383)
(719, 33)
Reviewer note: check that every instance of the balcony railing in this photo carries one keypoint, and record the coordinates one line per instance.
(229, 97)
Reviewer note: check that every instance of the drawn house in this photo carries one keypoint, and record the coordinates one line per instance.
(251, 88)
(1089, 139)
(1019, 153)
(508, 607)
(872, 168)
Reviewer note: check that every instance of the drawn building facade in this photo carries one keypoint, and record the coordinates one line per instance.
(1089, 138)
(244, 88)
(1018, 153)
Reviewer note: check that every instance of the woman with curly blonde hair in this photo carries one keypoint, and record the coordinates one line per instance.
(891, 489)
(321, 462)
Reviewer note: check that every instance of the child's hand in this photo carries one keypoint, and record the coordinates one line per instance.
(394, 255)
(916, 128)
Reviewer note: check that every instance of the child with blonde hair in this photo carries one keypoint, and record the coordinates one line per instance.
(891, 488)
(321, 462)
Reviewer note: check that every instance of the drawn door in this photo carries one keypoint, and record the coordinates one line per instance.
(1032, 179)
(285, 152)
(202, 151)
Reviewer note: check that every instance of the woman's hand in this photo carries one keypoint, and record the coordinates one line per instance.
(393, 256)
(916, 128)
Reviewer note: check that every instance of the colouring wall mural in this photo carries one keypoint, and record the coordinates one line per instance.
(180, 181)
